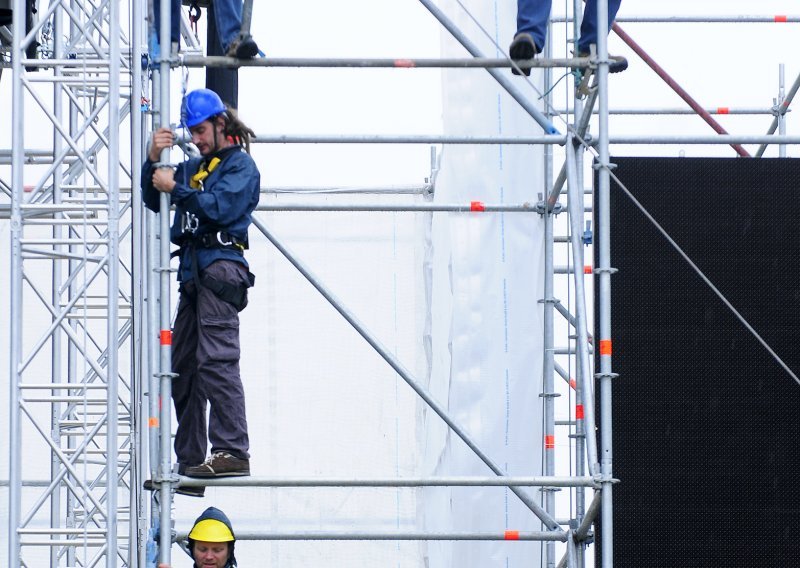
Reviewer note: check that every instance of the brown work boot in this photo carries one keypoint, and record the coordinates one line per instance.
(220, 464)
(616, 64)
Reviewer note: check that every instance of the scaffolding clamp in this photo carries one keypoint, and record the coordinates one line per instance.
(779, 109)
(542, 207)
(605, 270)
(606, 375)
(598, 166)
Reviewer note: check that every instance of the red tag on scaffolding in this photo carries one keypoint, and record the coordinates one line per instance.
(477, 206)
(166, 337)
(512, 535)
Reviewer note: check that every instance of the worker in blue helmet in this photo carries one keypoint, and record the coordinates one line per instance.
(214, 196)
(211, 541)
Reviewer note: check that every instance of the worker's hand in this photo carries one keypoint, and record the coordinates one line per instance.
(164, 179)
(163, 566)
(162, 138)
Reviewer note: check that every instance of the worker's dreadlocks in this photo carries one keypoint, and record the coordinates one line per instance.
(237, 130)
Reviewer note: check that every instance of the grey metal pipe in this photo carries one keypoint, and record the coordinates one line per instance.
(165, 327)
(477, 62)
(510, 536)
(575, 204)
(112, 292)
(247, 17)
(141, 353)
(781, 116)
(411, 189)
(548, 358)
(404, 373)
(591, 514)
(15, 287)
(725, 139)
(501, 78)
(475, 207)
(403, 139)
(685, 111)
(465, 481)
(707, 19)
(581, 127)
(604, 264)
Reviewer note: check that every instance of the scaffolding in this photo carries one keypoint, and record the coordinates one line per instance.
(89, 352)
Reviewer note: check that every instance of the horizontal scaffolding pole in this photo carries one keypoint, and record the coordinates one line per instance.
(679, 111)
(392, 63)
(473, 207)
(532, 140)
(410, 189)
(510, 536)
(472, 481)
(707, 139)
(403, 139)
(709, 19)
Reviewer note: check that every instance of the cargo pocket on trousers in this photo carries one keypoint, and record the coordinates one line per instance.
(221, 338)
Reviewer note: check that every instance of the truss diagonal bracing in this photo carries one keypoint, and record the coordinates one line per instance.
(71, 398)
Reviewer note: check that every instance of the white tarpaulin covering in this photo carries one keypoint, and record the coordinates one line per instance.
(486, 332)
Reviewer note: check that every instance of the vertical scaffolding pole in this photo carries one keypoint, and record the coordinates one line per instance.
(112, 360)
(779, 106)
(604, 229)
(165, 335)
(56, 509)
(548, 361)
(139, 364)
(15, 355)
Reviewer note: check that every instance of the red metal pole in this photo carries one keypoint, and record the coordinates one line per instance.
(675, 87)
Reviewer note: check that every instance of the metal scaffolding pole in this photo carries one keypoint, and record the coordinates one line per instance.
(508, 535)
(465, 481)
(603, 264)
(478, 62)
(162, 82)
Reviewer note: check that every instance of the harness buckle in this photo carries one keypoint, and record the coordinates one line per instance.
(220, 241)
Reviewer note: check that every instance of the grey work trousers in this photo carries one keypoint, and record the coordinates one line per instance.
(205, 356)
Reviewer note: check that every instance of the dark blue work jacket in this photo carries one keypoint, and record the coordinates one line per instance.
(225, 203)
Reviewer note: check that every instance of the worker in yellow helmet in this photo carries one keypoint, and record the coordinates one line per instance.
(211, 541)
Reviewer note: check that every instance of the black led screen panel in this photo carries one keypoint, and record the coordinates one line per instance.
(706, 422)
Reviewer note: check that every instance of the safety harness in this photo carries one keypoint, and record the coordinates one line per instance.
(233, 294)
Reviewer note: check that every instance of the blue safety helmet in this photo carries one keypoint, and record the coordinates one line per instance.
(200, 105)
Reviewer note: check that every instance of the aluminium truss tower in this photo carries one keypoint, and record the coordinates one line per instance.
(72, 399)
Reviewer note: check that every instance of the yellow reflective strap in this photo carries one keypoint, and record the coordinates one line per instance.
(197, 179)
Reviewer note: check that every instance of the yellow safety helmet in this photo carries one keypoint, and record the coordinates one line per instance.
(211, 530)
(212, 526)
